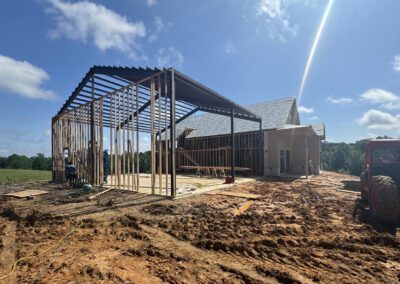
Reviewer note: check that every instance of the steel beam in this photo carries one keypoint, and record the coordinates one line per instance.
(173, 134)
(233, 144)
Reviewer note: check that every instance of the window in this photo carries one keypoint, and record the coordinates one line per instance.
(386, 156)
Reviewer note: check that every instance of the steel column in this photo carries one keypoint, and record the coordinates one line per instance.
(233, 144)
(172, 135)
(92, 137)
(261, 154)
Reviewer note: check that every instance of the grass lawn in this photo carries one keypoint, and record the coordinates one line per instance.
(10, 176)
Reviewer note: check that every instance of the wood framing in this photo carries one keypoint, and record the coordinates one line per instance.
(114, 107)
(215, 151)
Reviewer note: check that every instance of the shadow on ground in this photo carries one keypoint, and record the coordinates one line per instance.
(352, 185)
(361, 213)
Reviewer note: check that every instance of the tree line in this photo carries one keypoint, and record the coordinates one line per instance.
(345, 157)
(37, 162)
(338, 157)
(144, 161)
(40, 162)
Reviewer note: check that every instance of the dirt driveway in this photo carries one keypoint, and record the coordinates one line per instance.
(278, 231)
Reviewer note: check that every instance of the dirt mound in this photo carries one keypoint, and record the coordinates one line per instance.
(130, 221)
(36, 216)
(8, 211)
(240, 275)
(280, 276)
(160, 209)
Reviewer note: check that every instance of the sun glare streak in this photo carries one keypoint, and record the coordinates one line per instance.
(313, 49)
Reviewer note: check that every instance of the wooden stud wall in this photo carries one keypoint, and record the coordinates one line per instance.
(73, 131)
(149, 106)
(215, 151)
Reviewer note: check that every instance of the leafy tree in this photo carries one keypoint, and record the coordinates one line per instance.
(345, 158)
(18, 162)
(144, 162)
(3, 162)
(40, 162)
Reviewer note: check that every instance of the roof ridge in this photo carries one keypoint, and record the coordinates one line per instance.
(291, 98)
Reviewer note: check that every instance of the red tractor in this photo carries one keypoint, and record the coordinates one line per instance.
(380, 179)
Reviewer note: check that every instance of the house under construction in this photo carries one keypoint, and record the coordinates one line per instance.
(189, 126)
(118, 105)
(288, 148)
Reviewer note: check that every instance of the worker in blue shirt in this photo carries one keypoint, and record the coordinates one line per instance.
(71, 174)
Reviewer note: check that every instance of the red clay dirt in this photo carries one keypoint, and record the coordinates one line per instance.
(296, 231)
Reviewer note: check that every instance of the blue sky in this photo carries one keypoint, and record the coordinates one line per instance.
(249, 51)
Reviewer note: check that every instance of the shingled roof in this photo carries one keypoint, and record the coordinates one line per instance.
(274, 115)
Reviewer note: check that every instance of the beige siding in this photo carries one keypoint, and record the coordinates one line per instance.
(299, 154)
(298, 142)
(272, 167)
(315, 153)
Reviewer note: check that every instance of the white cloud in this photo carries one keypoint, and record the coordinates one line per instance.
(339, 100)
(379, 96)
(385, 99)
(376, 119)
(169, 57)
(230, 48)
(277, 17)
(85, 21)
(151, 2)
(23, 79)
(303, 109)
(396, 63)
(314, 117)
(392, 105)
(158, 23)
(159, 26)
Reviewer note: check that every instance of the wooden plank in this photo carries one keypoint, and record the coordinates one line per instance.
(92, 137)
(235, 194)
(26, 193)
(97, 142)
(173, 135)
(133, 142)
(137, 137)
(152, 94)
(123, 140)
(101, 143)
(217, 168)
(159, 137)
(100, 193)
(128, 141)
(117, 141)
(111, 144)
(243, 208)
(166, 132)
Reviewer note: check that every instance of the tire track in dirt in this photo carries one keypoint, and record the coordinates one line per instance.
(7, 250)
(166, 241)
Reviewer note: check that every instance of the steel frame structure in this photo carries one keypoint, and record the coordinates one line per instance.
(123, 102)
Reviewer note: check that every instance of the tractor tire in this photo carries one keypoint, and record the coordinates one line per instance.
(384, 200)
(364, 194)
(364, 197)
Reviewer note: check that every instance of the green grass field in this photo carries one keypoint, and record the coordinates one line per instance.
(10, 176)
